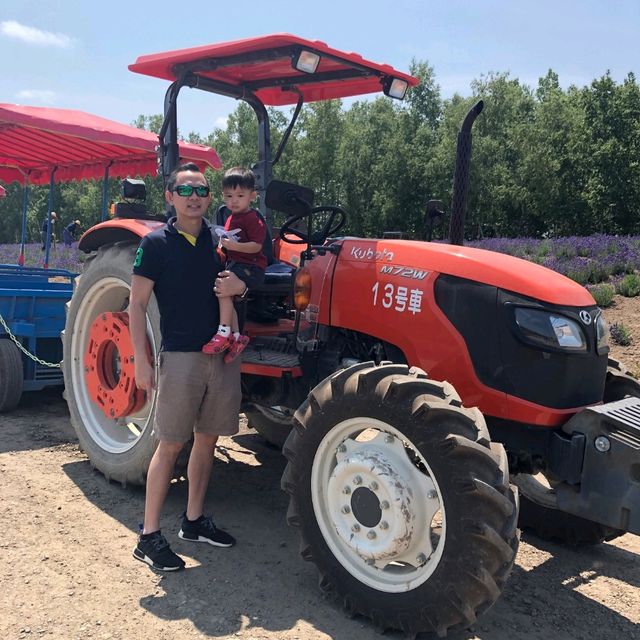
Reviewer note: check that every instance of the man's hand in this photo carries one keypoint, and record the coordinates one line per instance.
(145, 375)
(228, 284)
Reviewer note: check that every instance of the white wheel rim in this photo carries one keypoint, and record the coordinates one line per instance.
(114, 436)
(382, 517)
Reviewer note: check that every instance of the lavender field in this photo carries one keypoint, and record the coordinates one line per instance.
(60, 257)
(586, 259)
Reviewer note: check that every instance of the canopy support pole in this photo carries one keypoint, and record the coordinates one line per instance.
(25, 205)
(105, 191)
(50, 207)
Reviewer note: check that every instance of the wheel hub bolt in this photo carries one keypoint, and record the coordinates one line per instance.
(370, 561)
(384, 524)
(342, 448)
(371, 534)
(355, 528)
(373, 486)
(602, 444)
(389, 439)
(384, 504)
(357, 480)
(346, 490)
(346, 509)
(421, 558)
(432, 494)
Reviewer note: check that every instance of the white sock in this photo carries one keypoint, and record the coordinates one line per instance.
(224, 330)
(236, 335)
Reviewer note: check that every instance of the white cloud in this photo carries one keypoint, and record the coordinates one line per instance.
(38, 95)
(31, 35)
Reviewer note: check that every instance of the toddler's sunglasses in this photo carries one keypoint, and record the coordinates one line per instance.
(185, 190)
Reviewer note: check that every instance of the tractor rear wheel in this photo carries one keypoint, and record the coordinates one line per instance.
(272, 423)
(401, 500)
(120, 447)
(11, 375)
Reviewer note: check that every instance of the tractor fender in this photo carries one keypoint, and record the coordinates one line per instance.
(118, 230)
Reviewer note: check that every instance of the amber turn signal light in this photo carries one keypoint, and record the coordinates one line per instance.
(302, 289)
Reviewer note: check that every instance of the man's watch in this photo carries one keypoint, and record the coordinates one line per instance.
(243, 295)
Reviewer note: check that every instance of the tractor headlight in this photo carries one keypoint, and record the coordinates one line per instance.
(602, 334)
(549, 330)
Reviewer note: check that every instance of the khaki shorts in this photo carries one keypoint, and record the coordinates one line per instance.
(196, 392)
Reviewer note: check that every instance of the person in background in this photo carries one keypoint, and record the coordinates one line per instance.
(45, 224)
(69, 233)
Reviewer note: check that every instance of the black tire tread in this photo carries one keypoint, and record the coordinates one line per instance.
(466, 588)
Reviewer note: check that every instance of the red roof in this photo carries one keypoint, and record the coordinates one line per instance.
(80, 145)
(263, 64)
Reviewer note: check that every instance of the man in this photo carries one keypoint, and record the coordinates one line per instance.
(198, 394)
(69, 233)
(45, 226)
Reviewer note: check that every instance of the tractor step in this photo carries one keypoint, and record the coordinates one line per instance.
(271, 356)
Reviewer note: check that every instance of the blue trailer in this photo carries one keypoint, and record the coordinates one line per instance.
(32, 317)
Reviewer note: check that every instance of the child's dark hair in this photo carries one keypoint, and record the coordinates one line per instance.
(239, 177)
(189, 166)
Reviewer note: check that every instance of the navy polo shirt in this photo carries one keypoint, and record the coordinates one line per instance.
(183, 276)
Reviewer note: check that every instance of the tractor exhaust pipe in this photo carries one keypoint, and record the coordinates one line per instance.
(461, 176)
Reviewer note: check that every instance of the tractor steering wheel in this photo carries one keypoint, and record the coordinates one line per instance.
(335, 222)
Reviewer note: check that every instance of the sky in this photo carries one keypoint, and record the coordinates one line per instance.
(75, 54)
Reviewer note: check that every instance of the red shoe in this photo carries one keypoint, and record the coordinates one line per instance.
(236, 348)
(218, 344)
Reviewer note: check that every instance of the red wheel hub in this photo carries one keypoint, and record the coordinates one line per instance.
(109, 366)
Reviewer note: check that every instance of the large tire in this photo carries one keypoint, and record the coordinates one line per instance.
(121, 449)
(273, 423)
(401, 501)
(619, 383)
(11, 375)
(539, 512)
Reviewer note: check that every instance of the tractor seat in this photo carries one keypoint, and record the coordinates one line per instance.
(278, 278)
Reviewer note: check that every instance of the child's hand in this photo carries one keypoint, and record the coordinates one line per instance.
(228, 243)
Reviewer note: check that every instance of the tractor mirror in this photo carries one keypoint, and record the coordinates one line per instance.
(306, 61)
(289, 198)
(395, 88)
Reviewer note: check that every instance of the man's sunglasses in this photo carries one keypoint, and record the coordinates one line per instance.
(185, 190)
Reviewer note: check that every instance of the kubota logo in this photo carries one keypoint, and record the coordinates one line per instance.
(369, 254)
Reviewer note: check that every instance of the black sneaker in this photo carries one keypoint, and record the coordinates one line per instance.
(203, 530)
(156, 552)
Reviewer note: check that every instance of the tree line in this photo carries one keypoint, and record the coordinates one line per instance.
(546, 161)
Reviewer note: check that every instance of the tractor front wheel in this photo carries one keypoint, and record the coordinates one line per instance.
(401, 500)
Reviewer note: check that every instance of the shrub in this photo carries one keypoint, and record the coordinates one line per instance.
(620, 334)
(629, 286)
(603, 294)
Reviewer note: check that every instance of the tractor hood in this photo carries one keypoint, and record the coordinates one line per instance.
(496, 269)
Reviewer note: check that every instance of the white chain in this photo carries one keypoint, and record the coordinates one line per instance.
(21, 347)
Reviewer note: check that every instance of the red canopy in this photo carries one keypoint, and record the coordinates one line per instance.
(263, 64)
(80, 145)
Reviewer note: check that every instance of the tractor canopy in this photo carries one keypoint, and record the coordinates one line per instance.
(277, 68)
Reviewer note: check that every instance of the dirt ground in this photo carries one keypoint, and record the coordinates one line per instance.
(67, 569)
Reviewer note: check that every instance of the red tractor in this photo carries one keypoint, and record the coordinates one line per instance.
(366, 358)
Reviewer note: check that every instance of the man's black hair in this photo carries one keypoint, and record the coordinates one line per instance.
(239, 177)
(188, 166)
